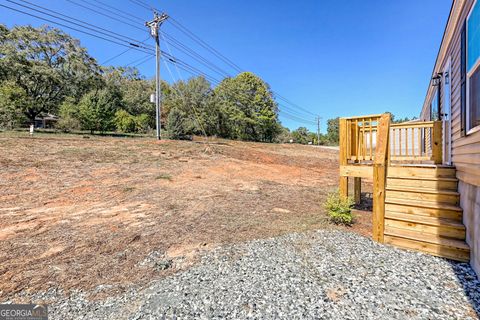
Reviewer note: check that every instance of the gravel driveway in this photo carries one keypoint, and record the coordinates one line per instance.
(323, 274)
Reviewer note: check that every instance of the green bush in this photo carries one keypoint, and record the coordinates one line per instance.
(124, 121)
(339, 208)
(142, 123)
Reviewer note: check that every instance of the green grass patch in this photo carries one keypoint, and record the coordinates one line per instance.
(164, 176)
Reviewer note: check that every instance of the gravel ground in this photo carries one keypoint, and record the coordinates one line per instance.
(322, 274)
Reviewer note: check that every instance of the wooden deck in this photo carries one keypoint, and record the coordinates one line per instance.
(415, 198)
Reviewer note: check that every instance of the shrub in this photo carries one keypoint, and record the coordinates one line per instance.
(124, 121)
(142, 123)
(339, 208)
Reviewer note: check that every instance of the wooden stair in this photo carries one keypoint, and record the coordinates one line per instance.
(422, 211)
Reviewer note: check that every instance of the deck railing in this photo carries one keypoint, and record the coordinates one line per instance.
(360, 137)
(416, 141)
(408, 141)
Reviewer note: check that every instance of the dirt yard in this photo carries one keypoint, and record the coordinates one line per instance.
(77, 213)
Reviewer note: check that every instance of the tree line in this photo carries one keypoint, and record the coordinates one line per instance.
(46, 71)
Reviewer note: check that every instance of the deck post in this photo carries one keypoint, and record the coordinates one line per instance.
(437, 142)
(380, 166)
(343, 186)
(357, 188)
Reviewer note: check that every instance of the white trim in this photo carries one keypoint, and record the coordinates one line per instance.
(469, 74)
(447, 70)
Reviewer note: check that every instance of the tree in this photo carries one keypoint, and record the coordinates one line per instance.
(135, 90)
(48, 65)
(68, 116)
(247, 109)
(333, 126)
(194, 98)
(97, 110)
(178, 124)
(284, 136)
(12, 98)
(301, 135)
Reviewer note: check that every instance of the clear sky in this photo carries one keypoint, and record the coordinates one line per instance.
(333, 58)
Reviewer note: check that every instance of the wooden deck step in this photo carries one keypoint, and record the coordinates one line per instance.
(421, 200)
(425, 172)
(423, 190)
(424, 182)
(425, 237)
(430, 221)
(458, 254)
(429, 225)
(454, 213)
(423, 194)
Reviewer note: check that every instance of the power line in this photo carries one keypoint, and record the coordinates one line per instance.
(122, 53)
(145, 6)
(166, 64)
(128, 45)
(120, 11)
(190, 52)
(105, 15)
(83, 24)
(205, 45)
(144, 61)
(226, 60)
(293, 104)
(139, 59)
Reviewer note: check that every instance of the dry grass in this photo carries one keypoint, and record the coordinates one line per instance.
(77, 213)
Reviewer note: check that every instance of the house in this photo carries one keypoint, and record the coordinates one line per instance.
(426, 174)
(45, 121)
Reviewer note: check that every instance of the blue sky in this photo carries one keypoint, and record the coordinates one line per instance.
(333, 58)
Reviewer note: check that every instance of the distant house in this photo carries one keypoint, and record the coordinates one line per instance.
(426, 173)
(45, 121)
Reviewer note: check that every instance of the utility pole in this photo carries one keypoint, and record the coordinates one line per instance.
(154, 26)
(318, 129)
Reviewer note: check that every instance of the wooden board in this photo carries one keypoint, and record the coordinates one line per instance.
(444, 231)
(432, 212)
(410, 171)
(433, 249)
(356, 171)
(438, 183)
(419, 236)
(431, 221)
(451, 199)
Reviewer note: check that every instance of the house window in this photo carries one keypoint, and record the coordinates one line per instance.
(473, 70)
(434, 107)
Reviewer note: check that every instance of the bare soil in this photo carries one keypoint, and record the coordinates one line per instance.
(77, 212)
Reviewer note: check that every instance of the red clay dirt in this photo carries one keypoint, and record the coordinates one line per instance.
(77, 213)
